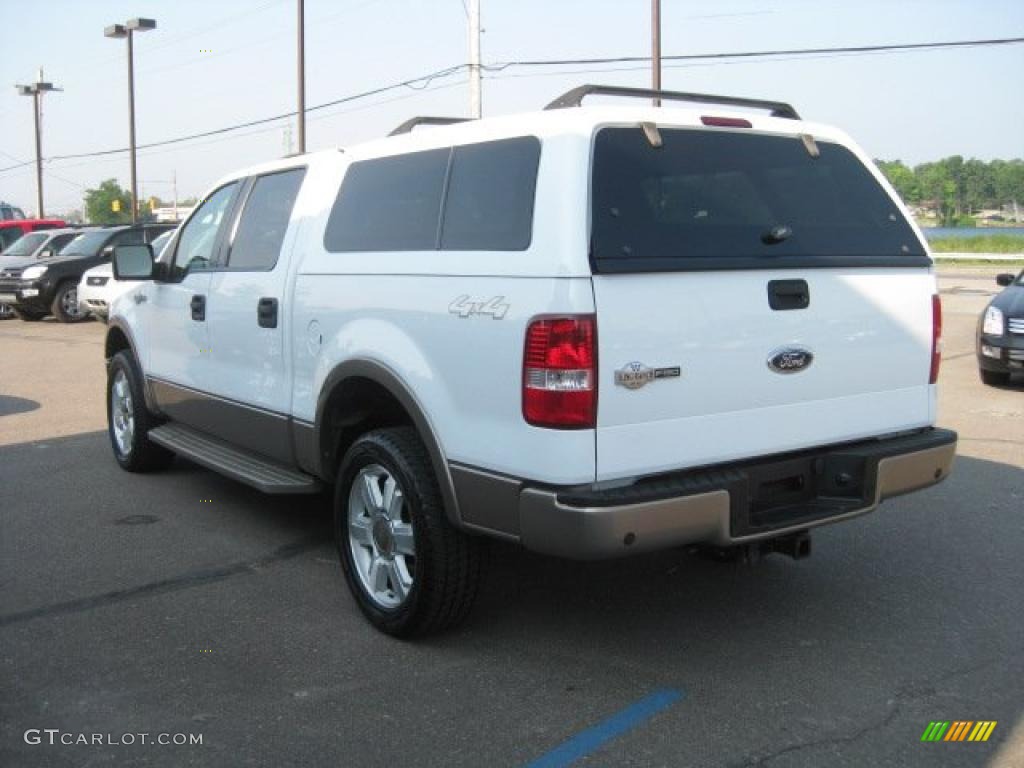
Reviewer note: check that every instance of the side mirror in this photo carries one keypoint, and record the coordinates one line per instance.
(46, 253)
(1004, 279)
(133, 262)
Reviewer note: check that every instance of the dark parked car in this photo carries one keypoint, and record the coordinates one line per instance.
(1001, 332)
(50, 286)
(42, 244)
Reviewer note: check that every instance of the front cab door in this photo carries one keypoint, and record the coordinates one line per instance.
(179, 339)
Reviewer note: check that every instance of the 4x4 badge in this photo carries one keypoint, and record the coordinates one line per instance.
(635, 375)
(464, 306)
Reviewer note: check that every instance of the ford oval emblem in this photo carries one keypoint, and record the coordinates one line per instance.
(790, 359)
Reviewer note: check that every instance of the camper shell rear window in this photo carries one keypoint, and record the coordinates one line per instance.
(735, 199)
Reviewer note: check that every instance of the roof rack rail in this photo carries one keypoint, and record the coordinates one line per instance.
(412, 122)
(574, 98)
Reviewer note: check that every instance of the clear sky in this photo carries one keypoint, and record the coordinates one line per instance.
(213, 63)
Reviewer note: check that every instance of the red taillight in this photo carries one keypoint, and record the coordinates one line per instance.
(726, 122)
(560, 372)
(936, 338)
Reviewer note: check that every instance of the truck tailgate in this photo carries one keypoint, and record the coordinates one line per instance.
(868, 331)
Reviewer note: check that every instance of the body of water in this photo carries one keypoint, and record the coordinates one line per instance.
(932, 233)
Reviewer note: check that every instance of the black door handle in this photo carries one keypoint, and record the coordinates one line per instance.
(266, 313)
(198, 305)
(788, 294)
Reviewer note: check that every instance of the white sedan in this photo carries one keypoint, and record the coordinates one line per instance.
(98, 288)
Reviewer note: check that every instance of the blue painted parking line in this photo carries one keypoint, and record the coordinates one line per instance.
(594, 738)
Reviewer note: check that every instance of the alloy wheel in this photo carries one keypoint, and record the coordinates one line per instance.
(380, 536)
(122, 417)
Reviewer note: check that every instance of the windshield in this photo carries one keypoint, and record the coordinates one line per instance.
(726, 199)
(86, 244)
(25, 245)
(161, 241)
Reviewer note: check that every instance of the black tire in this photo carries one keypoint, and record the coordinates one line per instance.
(994, 378)
(28, 315)
(141, 454)
(67, 293)
(448, 562)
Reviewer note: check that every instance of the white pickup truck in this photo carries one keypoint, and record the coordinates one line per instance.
(594, 331)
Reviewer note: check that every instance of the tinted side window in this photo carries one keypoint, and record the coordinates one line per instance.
(389, 204)
(199, 235)
(491, 187)
(127, 237)
(265, 220)
(60, 241)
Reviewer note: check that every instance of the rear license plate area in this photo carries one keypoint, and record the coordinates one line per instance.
(798, 491)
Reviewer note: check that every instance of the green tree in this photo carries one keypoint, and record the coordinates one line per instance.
(938, 189)
(902, 178)
(978, 184)
(99, 204)
(1008, 181)
(956, 188)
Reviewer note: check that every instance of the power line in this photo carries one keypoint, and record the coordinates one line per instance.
(416, 83)
(759, 54)
(422, 82)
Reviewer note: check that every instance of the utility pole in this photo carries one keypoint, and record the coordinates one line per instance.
(656, 48)
(36, 91)
(302, 76)
(475, 95)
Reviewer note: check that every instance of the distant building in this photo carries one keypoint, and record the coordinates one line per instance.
(172, 214)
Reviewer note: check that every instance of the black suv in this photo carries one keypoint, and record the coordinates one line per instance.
(51, 285)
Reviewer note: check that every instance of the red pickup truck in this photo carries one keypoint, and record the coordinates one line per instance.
(12, 229)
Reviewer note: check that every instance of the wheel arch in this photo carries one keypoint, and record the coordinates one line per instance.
(360, 395)
(118, 339)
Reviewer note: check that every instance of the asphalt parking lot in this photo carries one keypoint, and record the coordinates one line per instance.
(184, 603)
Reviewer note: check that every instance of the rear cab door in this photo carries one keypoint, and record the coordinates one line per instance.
(756, 293)
(249, 311)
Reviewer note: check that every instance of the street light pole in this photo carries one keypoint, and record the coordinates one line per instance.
(302, 76)
(36, 91)
(131, 127)
(656, 48)
(127, 31)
